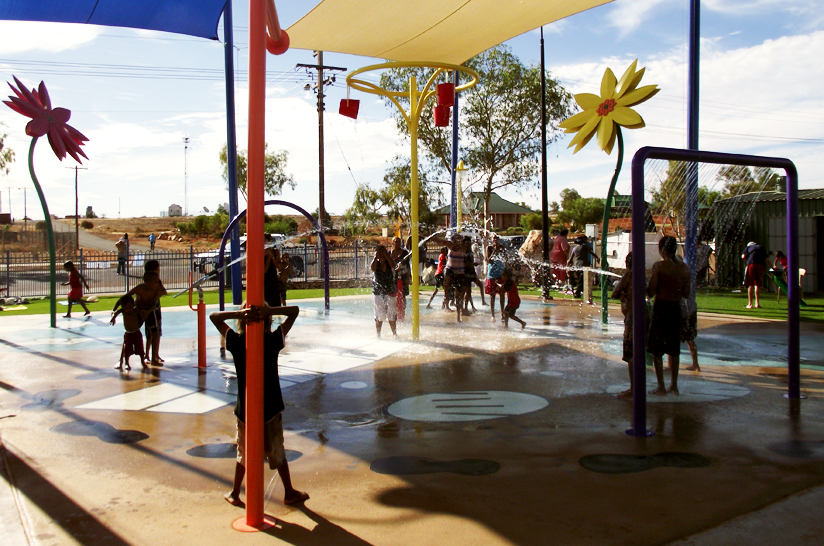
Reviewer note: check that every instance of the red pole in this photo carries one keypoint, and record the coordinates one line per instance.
(254, 263)
(201, 334)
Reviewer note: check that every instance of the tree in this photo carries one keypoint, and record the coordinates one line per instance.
(274, 171)
(739, 179)
(500, 129)
(6, 154)
(394, 199)
(670, 196)
(327, 220)
(579, 211)
(533, 221)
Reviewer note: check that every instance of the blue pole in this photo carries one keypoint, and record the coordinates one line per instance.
(231, 150)
(453, 221)
(691, 202)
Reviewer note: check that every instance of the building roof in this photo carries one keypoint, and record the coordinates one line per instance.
(497, 205)
(760, 196)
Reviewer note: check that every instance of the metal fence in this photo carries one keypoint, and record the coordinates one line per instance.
(27, 274)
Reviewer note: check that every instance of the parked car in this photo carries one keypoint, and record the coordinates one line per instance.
(512, 242)
(206, 262)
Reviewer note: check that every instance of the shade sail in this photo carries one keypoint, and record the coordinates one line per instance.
(193, 17)
(446, 31)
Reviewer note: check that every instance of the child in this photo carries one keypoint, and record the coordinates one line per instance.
(284, 272)
(154, 334)
(273, 405)
(439, 278)
(513, 300)
(146, 296)
(623, 291)
(132, 339)
(76, 291)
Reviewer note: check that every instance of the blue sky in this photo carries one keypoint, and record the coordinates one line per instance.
(137, 94)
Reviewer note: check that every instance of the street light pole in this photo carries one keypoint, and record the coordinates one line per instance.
(76, 209)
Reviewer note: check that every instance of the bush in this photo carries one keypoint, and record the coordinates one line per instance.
(281, 224)
(515, 231)
(533, 221)
(85, 224)
(40, 225)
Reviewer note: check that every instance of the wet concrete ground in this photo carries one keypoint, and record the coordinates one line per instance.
(474, 435)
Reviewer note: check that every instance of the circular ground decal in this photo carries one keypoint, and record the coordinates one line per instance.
(466, 406)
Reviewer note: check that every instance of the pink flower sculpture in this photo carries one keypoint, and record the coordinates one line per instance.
(45, 120)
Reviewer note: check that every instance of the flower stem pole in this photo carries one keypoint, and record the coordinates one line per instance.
(50, 234)
(605, 226)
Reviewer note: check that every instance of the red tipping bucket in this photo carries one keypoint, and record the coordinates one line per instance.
(446, 94)
(442, 116)
(349, 108)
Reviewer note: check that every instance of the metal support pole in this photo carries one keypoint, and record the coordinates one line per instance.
(456, 203)
(231, 151)
(254, 263)
(356, 258)
(545, 295)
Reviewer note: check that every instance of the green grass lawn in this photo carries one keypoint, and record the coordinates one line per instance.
(718, 300)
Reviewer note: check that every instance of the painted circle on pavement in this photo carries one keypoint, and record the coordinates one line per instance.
(353, 385)
(466, 406)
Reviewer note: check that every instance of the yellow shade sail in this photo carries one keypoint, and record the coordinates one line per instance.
(438, 31)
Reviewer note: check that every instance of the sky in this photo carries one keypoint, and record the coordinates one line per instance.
(138, 94)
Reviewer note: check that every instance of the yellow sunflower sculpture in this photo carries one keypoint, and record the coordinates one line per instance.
(602, 113)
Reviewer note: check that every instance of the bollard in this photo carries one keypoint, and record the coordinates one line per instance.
(201, 323)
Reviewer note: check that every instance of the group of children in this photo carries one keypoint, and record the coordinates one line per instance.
(140, 307)
(456, 273)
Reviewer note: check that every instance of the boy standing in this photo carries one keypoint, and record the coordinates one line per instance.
(146, 296)
(273, 405)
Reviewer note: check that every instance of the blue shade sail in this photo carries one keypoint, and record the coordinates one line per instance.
(193, 17)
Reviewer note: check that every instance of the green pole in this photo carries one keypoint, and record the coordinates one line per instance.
(50, 234)
(605, 227)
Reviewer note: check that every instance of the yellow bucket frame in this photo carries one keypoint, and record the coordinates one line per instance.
(417, 100)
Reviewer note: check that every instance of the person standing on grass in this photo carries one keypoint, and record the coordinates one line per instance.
(756, 257)
(273, 405)
(75, 283)
(669, 284)
(384, 290)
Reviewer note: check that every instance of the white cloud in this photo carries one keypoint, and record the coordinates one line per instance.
(628, 15)
(22, 36)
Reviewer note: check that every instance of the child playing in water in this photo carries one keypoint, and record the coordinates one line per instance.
(513, 300)
(273, 405)
(623, 291)
(76, 282)
(439, 278)
(146, 295)
(132, 338)
(154, 334)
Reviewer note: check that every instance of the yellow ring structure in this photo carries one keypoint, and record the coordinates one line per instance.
(417, 100)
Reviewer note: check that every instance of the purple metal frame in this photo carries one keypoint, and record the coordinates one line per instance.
(639, 267)
(221, 279)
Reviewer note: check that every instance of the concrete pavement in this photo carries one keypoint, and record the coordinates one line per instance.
(474, 435)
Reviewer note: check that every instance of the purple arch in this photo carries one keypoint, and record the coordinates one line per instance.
(639, 284)
(221, 279)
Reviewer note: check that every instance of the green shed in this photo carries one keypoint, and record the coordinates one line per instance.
(762, 217)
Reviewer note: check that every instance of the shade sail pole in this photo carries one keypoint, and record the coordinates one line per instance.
(254, 264)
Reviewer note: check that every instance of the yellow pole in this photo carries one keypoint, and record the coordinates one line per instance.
(459, 216)
(413, 134)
